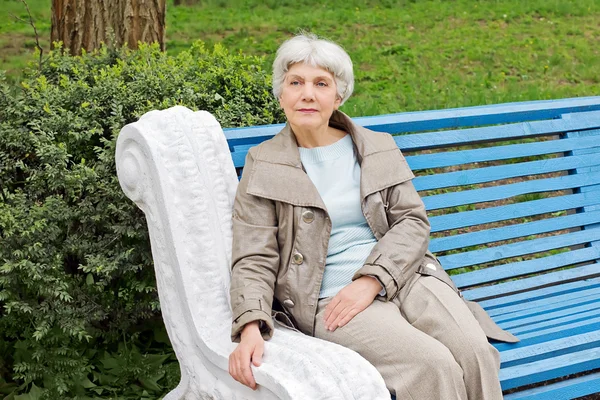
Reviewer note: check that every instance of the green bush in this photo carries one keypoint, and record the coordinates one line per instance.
(78, 304)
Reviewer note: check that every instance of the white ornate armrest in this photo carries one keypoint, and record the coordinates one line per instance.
(176, 166)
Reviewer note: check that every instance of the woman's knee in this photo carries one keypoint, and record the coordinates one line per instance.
(476, 351)
(439, 361)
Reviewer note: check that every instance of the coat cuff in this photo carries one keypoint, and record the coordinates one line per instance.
(382, 292)
(252, 310)
(381, 267)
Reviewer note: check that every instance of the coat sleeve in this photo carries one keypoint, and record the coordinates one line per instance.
(398, 254)
(254, 259)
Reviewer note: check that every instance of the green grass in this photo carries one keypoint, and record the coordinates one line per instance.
(408, 55)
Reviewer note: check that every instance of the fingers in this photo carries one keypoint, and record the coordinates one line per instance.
(336, 314)
(351, 314)
(343, 315)
(331, 306)
(247, 374)
(239, 367)
(258, 353)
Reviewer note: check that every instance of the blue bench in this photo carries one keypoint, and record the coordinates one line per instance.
(513, 194)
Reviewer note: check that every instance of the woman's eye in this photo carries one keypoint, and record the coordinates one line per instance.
(322, 84)
(294, 83)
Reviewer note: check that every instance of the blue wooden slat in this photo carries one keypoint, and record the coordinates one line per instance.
(591, 300)
(551, 368)
(534, 305)
(513, 231)
(518, 249)
(524, 355)
(511, 211)
(584, 316)
(494, 193)
(564, 390)
(501, 192)
(550, 316)
(489, 174)
(447, 159)
(525, 284)
(454, 117)
(452, 158)
(505, 271)
(552, 333)
(239, 159)
(538, 294)
(525, 149)
(472, 136)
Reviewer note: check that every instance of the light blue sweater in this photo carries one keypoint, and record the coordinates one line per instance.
(335, 172)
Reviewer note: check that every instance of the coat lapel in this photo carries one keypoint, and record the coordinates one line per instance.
(278, 175)
(382, 164)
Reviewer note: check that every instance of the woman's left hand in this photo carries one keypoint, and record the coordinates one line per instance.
(350, 301)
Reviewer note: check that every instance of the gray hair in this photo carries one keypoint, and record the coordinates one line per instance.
(309, 49)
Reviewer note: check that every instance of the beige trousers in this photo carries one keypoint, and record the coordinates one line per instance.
(426, 346)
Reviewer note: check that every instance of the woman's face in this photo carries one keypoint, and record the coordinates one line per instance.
(309, 96)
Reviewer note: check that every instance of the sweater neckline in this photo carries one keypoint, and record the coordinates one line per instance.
(330, 152)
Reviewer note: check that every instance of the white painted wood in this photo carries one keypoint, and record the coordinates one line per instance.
(176, 166)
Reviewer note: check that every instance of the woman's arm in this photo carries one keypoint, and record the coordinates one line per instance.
(255, 258)
(398, 254)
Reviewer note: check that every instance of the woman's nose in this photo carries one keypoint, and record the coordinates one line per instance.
(308, 92)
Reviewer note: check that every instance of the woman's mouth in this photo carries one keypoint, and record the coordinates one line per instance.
(307, 110)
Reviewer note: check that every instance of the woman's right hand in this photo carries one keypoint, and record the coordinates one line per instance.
(249, 350)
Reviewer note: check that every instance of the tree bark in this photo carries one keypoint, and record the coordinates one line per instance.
(84, 24)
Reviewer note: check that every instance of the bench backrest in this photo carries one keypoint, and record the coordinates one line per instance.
(513, 196)
(529, 173)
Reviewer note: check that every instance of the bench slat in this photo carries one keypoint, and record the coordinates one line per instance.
(565, 390)
(511, 211)
(472, 136)
(525, 284)
(447, 159)
(591, 299)
(536, 305)
(534, 328)
(524, 322)
(521, 268)
(513, 231)
(551, 368)
(542, 335)
(502, 192)
(524, 355)
(518, 249)
(538, 294)
(505, 152)
(489, 174)
(452, 117)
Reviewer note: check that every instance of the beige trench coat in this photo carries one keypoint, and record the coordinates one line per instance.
(281, 231)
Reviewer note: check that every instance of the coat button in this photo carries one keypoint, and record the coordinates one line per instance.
(431, 266)
(308, 216)
(288, 303)
(297, 258)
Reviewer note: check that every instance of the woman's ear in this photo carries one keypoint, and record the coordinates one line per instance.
(338, 101)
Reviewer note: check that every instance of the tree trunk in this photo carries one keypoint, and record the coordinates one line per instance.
(84, 24)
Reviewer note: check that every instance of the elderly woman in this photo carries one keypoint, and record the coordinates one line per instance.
(330, 238)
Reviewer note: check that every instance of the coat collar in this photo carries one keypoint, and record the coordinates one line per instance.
(278, 174)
